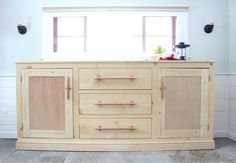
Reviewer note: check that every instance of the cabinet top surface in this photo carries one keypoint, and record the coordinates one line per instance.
(110, 61)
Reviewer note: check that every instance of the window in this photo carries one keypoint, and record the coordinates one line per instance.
(69, 34)
(112, 31)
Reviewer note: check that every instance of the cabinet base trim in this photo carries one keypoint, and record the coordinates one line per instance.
(68, 145)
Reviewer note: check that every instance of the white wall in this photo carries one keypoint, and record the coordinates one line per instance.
(232, 70)
(232, 107)
(232, 36)
(15, 47)
(7, 105)
(221, 106)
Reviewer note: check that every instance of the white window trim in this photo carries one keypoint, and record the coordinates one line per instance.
(117, 8)
(49, 12)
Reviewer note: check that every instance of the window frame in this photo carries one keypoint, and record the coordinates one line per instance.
(56, 36)
(173, 29)
(50, 12)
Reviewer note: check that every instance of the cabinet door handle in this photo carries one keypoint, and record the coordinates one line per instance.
(162, 88)
(68, 89)
(99, 103)
(130, 128)
(98, 77)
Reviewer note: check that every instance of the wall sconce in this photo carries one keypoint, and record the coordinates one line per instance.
(209, 27)
(22, 29)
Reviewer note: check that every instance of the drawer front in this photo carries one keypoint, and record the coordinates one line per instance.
(109, 104)
(115, 79)
(115, 128)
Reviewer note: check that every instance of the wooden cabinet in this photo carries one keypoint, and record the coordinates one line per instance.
(115, 106)
(115, 78)
(115, 91)
(116, 128)
(184, 102)
(47, 103)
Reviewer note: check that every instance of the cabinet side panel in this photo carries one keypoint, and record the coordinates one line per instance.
(46, 103)
(184, 102)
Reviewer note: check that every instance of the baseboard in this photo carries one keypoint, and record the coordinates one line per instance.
(220, 134)
(8, 134)
(111, 145)
(231, 136)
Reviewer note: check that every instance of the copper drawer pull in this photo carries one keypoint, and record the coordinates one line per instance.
(68, 89)
(162, 88)
(131, 128)
(99, 103)
(98, 77)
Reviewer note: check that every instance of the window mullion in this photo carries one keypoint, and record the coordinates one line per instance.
(144, 33)
(55, 33)
(85, 33)
(173, 32)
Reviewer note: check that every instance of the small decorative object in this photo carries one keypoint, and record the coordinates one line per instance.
(182, 49)
(159, 49)
(171, 57)
(21, 29)
(209, 27)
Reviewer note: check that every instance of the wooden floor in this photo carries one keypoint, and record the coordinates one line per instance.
(225, 152)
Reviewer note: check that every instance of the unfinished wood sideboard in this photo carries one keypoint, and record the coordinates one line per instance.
(115, 105)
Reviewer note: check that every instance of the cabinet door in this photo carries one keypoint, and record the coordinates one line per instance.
(47, 103)
(183, 99)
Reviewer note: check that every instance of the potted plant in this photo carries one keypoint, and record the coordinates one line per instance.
(159, 49)
(158, 52)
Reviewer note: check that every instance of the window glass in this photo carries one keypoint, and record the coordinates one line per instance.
(153, 42)
(114, 33)
(70, 26)
(111, 32)
(70, 45)
(159, 26)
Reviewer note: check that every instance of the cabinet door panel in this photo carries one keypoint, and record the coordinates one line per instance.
(184, 102)
(45, 93)
(182, 105)
(47, 103)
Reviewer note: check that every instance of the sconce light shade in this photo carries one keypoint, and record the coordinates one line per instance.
(21, 29)
(208, 28)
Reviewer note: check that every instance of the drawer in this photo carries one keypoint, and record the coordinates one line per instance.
(115, 79)
(103, 104)
(115, 128)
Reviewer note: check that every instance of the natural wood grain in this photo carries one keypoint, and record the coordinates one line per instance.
(111, 145)
(46, 103)
(78, 117)
(46, 110)
(88, 128)
(142, 104)
(87, 79)
(183, 102)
